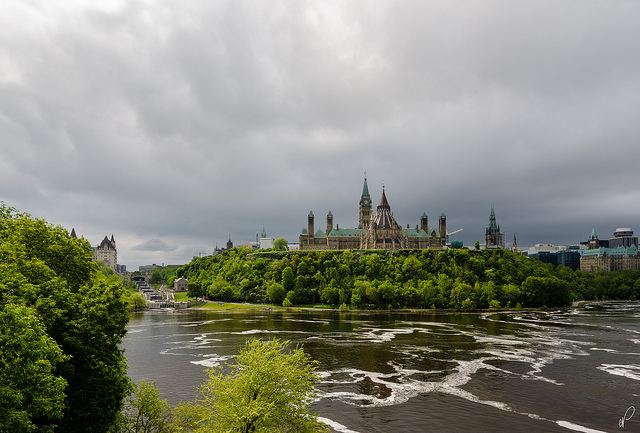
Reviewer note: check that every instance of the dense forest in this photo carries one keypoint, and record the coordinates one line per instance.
(376, 279)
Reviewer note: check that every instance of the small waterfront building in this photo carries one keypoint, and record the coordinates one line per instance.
(180, 284)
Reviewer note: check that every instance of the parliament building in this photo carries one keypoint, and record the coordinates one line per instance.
(377, 230)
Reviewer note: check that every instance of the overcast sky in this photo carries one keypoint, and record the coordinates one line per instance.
(174, 125)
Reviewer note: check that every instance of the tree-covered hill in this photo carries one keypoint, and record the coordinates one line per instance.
(454, 279)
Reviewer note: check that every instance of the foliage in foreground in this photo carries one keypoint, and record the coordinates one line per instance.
(266, 390)
(61, 321)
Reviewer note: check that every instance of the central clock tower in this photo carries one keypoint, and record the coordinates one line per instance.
(365, 207)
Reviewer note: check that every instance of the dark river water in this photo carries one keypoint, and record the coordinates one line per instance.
(559, 371)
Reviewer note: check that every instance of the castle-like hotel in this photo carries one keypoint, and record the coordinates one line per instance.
(377, 230)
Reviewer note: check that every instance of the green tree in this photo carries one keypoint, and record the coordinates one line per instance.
(138, 301)
(276, 293)
(194, 289)
(144, 412)
(156, 276)
(43, 268)
(280, 244)
(267, 390)
(31, 392)
(288, 280)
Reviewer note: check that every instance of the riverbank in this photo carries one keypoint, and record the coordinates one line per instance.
(230, 306)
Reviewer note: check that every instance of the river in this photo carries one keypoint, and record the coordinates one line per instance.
(556, 371)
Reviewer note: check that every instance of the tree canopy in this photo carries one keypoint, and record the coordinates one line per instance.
(280, 244)
(268, 389)
(450, 279)
(52, 290)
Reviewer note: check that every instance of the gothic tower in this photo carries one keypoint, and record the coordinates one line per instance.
(594, 242)
(329, 223)
(493, 238)
(442, 228)
(310, 229)
(424, 223)
(365, 207)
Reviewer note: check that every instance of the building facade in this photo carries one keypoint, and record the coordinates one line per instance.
(377, 230)
(180, 284)
(106, 252)
(621, 253)
(493, 237)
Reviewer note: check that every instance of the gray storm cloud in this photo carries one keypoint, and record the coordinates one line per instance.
(183, 124)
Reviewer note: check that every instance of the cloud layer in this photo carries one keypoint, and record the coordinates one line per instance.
(184, 124)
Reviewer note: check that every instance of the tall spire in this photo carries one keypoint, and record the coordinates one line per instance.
(365, 188)
(493, 226)
(383, 201)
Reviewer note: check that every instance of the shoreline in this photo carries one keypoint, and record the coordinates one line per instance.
(233, 306)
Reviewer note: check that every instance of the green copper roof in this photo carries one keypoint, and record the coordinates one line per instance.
(329, 214)
(320, 234)
(310, 213)
(346, 233)
(304, 231)
(424, 214)
(413, 233)
(365, 189)
(593, 234)
(443, 215)
(493, 226)
(617, 251)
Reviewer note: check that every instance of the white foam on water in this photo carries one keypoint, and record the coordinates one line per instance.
(603, 350)
(212, 361)
(629, 371)
(336, 426)
(320, 322)
(205, 322)
(379, 335)
(262, 331)
(576, 427)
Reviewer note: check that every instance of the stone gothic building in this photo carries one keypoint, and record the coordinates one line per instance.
(493, 238)
(106, 252)
(377, 230)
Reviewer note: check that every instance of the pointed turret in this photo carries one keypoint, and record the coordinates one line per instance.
(594, 242)
(383, 218)
(73, 233)
(384, 204)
